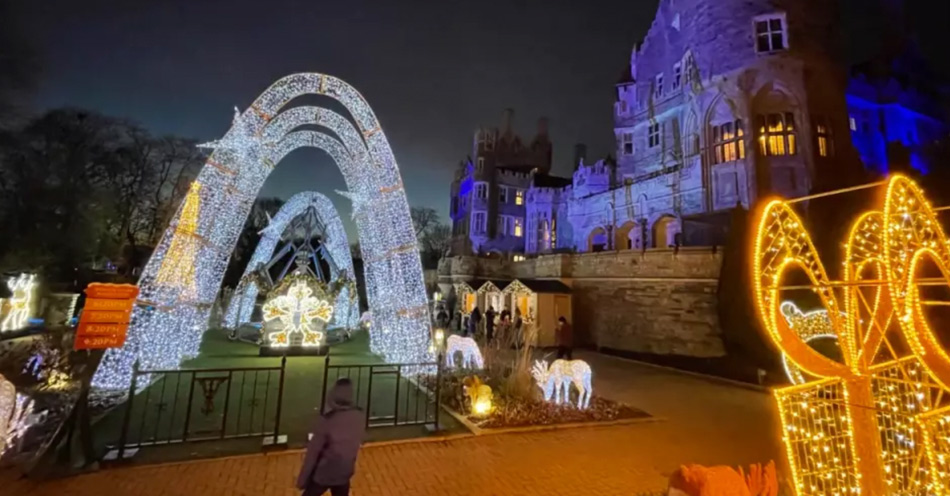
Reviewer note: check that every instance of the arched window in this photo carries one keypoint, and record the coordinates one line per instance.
(777, 134)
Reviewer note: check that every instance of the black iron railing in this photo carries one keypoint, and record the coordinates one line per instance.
(192, 405)
(391, 394)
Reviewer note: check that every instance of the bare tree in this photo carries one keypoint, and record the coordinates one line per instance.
(423, 219)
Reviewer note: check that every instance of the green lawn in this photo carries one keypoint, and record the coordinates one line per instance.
(159, 411)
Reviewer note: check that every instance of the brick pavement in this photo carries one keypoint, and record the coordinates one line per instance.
(704, 422)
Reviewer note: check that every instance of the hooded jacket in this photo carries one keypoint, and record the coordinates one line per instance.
(337, 435)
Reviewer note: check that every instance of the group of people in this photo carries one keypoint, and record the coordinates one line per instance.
(495, 327)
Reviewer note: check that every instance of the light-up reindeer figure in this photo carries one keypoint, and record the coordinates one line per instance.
(22, 289)
(471, 355)
(556, 380)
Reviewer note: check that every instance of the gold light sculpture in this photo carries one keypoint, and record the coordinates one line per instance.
(178, 267)
(877, 424)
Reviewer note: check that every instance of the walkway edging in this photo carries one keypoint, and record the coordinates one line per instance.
(478, 431)
(708, 377)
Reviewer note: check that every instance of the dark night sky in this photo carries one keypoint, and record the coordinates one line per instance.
(432, 70)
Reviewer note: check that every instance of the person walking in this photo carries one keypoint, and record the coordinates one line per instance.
(335, 442)
(442, 318)
(489, 324)
(564, 337)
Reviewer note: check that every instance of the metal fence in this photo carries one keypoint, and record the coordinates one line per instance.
(390, 394)
(202, 404)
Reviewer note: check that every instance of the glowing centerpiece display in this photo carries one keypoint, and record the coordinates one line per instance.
(297, 310)
(178, 268)
(878, 421)
(19, 303)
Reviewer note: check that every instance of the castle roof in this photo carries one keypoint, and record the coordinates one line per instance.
(547, 181)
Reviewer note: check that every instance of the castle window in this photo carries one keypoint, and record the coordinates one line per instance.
(519, 197)
(554, 231)
(728, 142)
(770, 33)
(627, 143)
(502, 225)
(677, 76)
(653, 136)
(853, 123)
(776, 134)
(480, 164)
(519, 227)
(826, 147)
(622, 107)
(658, 87)
(478, 222)
(481, 191)
(502, 194)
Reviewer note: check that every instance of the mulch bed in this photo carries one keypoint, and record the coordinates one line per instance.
(522, 413)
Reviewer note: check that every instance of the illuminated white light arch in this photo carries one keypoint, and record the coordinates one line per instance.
(346, 312)
(167, 327)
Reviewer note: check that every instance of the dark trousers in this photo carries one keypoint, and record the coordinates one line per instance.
(565, 351)
(318, 490)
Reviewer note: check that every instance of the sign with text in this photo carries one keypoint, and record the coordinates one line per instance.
(105, 316)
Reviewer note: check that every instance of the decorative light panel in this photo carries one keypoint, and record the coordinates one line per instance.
(878, 423)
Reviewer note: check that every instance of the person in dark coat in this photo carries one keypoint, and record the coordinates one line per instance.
(331, 452)
(489, 324)
(564, 337)
(442, 318)
(473, 320)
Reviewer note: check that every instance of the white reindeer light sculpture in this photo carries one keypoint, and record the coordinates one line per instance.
(471, 355)
(556, 381)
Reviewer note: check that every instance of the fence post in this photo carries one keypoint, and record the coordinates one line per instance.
(438, 390)
(323, 392)
(396, 402)
(280, 399)
(123, 435)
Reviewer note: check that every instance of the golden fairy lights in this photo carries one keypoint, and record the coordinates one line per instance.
(178, 268)
(878, 423)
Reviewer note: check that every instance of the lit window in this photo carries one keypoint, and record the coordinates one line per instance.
(480, 164)
(654, 135)
(554, 232)
(770, 34)
(776, 134)
(519, 226)
(728, 142)
(478, 221)
(502, 194)
(481, 191)
(853, 123)
(677, 75)
(518, 258)
(519, 197)
(826, 147)
(627, 143)
(658, 87)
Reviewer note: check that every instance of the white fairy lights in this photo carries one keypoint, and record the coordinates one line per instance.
(347, 309)
(296, 311)
(164, 330)
(471, 355)
(555, 381)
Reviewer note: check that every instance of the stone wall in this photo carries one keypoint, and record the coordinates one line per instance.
(655, 301)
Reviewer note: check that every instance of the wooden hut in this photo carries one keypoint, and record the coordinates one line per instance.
(539, 303)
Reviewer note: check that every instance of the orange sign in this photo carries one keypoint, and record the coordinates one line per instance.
(105, 316)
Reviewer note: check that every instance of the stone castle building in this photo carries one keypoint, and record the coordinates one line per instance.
(721, 103)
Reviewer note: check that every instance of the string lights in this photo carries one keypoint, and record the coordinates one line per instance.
(178, 267)
(166, 328)
(22, 288)
(555, 381)
(296, 310)
(879, 422)
(347, 308)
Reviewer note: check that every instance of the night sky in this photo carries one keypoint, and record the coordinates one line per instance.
(432, 70)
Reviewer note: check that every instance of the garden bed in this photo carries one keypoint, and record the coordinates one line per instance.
(519, 411)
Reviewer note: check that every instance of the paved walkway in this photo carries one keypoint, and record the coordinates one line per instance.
(706, 422)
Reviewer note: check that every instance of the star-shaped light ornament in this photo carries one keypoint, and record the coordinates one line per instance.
(297, 310)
